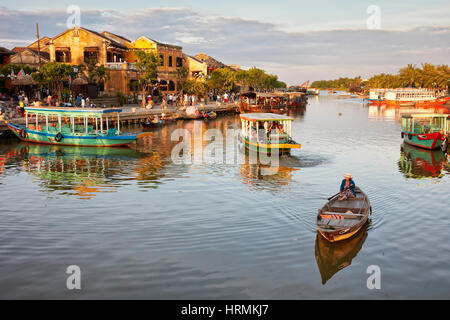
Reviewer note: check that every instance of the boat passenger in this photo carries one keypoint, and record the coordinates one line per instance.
(347, 189)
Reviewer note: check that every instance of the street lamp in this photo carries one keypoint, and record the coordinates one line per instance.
(75, 70)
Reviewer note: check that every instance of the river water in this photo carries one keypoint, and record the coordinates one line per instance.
(140, 225)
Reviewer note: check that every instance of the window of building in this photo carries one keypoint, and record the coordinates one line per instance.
(179, 62)
(91, 56)
(62, 56)
(162, 60)
(170, 61)
(171, 86)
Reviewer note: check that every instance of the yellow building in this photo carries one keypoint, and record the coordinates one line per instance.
(197, 69)
(79, 45)
(171, 58)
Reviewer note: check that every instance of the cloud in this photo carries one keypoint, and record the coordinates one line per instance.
(294, 56)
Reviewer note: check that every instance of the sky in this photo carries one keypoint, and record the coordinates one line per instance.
(297, 40)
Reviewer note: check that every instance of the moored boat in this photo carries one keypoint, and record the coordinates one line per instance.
(427, 131)
(73, 126)
(340, 219)
(260, 101)
(416, 96)
(209, 115)
(152, 124)
(268, 132)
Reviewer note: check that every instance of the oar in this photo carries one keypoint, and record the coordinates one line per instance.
(333, 196)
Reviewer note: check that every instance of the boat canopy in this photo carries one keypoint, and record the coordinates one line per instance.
(67, 117)
(70, 111)
(253, 95)
(255, 117)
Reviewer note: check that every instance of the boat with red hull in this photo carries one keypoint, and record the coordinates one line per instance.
(427, 131)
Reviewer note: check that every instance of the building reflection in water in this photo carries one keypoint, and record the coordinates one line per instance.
(419, 163)
(333, 257)
(395, 112)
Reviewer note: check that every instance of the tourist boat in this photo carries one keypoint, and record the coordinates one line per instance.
(417, 96)
(427, 131)
(256, 138)
(296, 99)
(260, 101)
(340, 219)
(73, 127)
(333, 257)
(313, 92)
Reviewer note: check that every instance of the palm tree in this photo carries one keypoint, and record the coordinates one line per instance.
(409, 75)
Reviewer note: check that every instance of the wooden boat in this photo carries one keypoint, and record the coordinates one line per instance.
(73, 127)
(255, 137)
(333, 257)
(339, 220)
(260, 101)
(423, 130)
(278, 110)
(152, 124)
(313, 92)
(209, 115)
(296, 99)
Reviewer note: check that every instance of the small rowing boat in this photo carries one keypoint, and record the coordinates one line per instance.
(209, 115)
(152, 124)
(339, 220)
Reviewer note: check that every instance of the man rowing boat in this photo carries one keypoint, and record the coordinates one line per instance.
(347, 189)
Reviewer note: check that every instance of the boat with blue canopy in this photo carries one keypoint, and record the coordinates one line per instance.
(90, 127)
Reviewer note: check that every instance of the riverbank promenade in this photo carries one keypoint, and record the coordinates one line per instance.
(133, 113)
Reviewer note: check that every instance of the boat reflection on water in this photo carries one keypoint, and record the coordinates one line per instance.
(80, 171)
(265, 177)
(297, 113)
(395, 112)
(331, 257)
(419, 163)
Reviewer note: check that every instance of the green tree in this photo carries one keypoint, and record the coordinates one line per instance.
(409, 75)
(146, 66)
(6, 69)
(182, 73)
(96, 73)
(194, 87)
(256, 78)
(52, 75)
(222, 79)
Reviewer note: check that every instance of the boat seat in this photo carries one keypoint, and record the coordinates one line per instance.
(351, 204)
(338, 222)
(346, 215)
